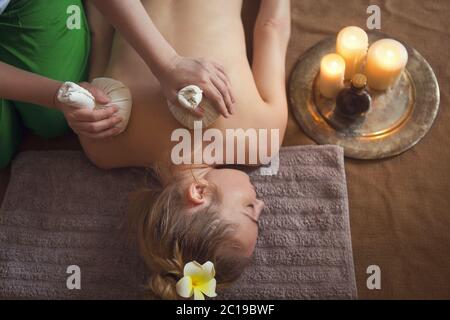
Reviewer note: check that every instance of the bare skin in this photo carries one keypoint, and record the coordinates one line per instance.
(210, 29)
(136, 26)
(260, 94)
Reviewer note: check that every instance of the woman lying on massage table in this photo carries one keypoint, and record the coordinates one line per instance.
(201, 213)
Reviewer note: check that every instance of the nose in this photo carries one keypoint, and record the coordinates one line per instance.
(259, 207)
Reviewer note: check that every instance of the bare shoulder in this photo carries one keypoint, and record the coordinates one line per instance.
(108, 153)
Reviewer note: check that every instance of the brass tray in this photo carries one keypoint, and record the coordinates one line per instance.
(398, 119)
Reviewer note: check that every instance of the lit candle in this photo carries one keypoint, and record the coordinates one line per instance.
(386, 61)
(331, 80)
(352, 44)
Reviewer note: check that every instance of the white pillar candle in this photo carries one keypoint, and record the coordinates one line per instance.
(386, 61)
(352, 44)
(331, 79)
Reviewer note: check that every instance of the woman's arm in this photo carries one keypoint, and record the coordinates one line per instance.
(173, 71)
(271, 37)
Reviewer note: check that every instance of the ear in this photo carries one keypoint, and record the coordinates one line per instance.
(196, 193)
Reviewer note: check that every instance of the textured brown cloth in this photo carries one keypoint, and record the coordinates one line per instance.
(400, 207)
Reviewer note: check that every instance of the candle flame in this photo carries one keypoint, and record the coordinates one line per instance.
(352, 38)
(389, 57)
(334, 66)
(390, 54)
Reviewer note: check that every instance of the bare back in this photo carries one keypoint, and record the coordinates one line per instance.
(195, 28)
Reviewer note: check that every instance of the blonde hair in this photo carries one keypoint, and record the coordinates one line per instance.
(168, 238)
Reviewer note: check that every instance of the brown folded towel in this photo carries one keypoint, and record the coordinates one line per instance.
(59, 210)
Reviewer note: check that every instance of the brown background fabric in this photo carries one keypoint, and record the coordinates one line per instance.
(399, 207)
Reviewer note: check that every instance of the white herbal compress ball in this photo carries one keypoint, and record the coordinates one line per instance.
(191, 97)
(72, 94)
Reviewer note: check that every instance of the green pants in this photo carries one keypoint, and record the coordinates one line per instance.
(35, 36)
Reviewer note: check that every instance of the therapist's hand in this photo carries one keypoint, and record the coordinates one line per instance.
(207, 75)
(93, 124)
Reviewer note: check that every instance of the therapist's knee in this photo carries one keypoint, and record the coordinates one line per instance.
(48, 124)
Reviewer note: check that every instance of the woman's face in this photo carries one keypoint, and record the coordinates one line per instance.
(239, 204)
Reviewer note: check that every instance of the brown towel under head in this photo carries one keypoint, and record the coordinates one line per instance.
(59, 210)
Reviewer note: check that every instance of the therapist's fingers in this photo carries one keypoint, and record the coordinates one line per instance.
(100, 96)
(86, 115)
(227, 82)
(98, 126)
(217, 71)
(214, 95)
(223, 88)
(222, 74)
